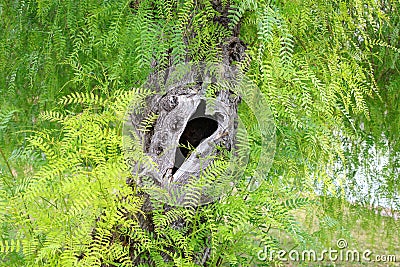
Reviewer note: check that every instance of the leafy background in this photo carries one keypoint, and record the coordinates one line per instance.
(69, 69)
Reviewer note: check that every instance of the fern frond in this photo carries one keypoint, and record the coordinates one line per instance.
(53, 116)
(82, 98)
(5, 117)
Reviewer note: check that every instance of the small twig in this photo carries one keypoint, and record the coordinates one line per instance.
(205, 256)
(9, 168)
(6, 161)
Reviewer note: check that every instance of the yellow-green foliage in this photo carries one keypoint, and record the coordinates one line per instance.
(67, 70)
(77, 210)
(71, 206)
(312, 61)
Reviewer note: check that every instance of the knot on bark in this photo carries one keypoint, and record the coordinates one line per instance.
(233, 50)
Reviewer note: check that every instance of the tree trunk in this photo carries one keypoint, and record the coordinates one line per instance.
(182, 130)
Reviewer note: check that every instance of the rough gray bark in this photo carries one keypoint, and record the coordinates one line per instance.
(185, 118)
(185, 115)
(178, 105)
